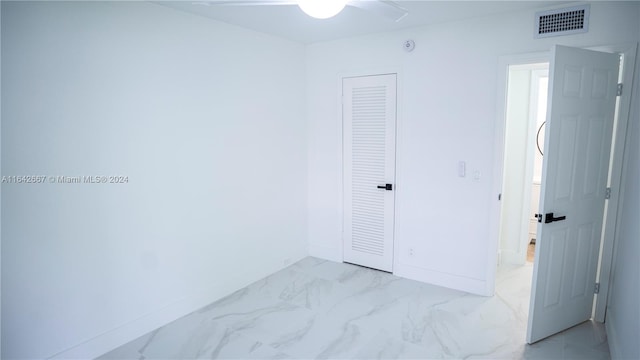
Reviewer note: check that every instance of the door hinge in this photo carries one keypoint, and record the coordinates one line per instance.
(499, 197)
(619, 91)
(607, 193)
(596, 289)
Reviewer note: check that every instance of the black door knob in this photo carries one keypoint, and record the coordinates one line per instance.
(386, 187)
(548, 218)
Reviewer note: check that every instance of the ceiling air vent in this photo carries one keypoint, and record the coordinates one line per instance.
(565, 21)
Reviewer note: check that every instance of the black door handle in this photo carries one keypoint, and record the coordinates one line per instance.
(386, 187)
(548, 218)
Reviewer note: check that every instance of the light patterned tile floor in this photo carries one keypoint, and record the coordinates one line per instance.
(318, 309)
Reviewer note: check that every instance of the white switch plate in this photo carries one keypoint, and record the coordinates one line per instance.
(462, 169)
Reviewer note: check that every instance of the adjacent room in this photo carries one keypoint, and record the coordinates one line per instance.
(250, 179)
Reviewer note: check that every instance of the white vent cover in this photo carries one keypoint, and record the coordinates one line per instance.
(565, 21)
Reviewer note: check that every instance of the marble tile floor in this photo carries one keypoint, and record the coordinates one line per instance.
(318, 309)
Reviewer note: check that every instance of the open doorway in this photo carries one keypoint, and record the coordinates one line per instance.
(526, 104)
(510, 251)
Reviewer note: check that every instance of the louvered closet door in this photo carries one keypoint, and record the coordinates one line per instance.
(369, 121)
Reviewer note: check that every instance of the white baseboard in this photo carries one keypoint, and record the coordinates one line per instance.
(612, 338)
(451, 281)
(473, 286)
(119, 336)
(326, 253)
(103, 343)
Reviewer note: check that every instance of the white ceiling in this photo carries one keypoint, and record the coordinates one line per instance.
(289, 22)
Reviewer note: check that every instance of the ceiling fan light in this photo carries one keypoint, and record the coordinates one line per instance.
(322, 9)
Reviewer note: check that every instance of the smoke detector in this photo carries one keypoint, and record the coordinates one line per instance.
(409, 45)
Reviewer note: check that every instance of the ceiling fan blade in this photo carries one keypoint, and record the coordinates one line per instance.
(244, 2)
(384, 8)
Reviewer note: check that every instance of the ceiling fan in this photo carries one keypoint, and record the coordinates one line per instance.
(323, 9)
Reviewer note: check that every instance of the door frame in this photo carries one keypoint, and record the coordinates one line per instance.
(519, 256)
(531, 149)
(397, 173)
(620, 146)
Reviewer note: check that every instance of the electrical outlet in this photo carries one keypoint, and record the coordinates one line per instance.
(411, 252)
(477, 175)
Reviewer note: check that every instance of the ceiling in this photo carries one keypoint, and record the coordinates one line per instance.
(289, 22)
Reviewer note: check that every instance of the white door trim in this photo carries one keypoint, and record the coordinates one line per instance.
(620, 147)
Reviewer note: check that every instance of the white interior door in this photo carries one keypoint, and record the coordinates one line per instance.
(580, 115)
(369, 121)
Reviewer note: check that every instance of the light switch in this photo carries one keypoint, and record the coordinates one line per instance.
(462, 169)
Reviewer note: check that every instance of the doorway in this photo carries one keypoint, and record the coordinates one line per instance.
(622, 114)
(369, 135)
(526, 105)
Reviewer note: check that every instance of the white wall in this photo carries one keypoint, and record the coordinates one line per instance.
(206, 120)
(623, 312)
(447, 87)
